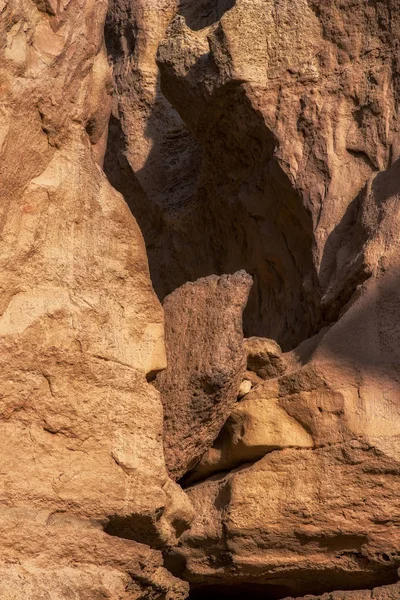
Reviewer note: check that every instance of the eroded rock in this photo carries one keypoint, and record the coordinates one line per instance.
(256, 426)
(206, 362)
(297, 522)
(264, 357)
(80, 329)
(304, 98)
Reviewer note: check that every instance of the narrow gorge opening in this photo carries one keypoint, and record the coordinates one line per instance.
(219, 201)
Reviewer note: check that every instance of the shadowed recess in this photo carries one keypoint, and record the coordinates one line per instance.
(202, 13)
(307, 583)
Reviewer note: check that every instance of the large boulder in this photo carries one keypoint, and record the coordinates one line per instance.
(206, 363)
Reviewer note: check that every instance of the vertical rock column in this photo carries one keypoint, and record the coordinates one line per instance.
(80, 328)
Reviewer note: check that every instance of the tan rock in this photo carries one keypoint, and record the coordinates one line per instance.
(206, 362)
(303, 95)
(279, 154)
(346, 397)
(264, 357)
(80, 329)
(297, 522)
(151, 158)
(244, 388)
(256, 426)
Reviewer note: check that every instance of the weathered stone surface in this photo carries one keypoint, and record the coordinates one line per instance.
(151, 158)
(324, 518)
(386, 592)
(264, 357)
(257, 425)
(298, 521)
(303, 95)
(80, 328)
(304, 98)
(277, 152)
(206, 362)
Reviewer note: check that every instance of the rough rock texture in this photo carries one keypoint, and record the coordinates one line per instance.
(266, 139)
(312, 520)
(264, 357)
(80, 328)
(256, 426)
(151, 157)
(386, 592)
(206, 362)
(298, 521)
(294, 105)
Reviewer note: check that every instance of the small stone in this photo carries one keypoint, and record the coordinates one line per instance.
(244, 388)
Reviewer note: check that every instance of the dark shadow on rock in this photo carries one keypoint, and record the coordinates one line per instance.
(245, 214)
(219, 202)
(202, 13)
(299, 584)
(343, 266)
(122, 177)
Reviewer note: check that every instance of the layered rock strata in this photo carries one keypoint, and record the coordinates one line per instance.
(86, 499)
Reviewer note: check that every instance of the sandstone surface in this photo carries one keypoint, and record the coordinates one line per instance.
(257, 425)
(206, 363)
(310, 520)
(297, 522)
(252, 134)
(387, 592)
(86, 499)
(296, 101)
(294, 105)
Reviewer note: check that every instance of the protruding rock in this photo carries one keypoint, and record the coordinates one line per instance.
(298, 522)
(257, 425)
(206, 362)
(82, 461)
(264, 357)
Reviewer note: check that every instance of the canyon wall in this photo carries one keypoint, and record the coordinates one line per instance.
(87, 505)
(254, 135)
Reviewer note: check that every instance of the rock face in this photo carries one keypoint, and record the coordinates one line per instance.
(294, 106)
(206, 362)
(86, 499)
(296, 522)
(252, 134)
(292, 99)
(387, 592)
